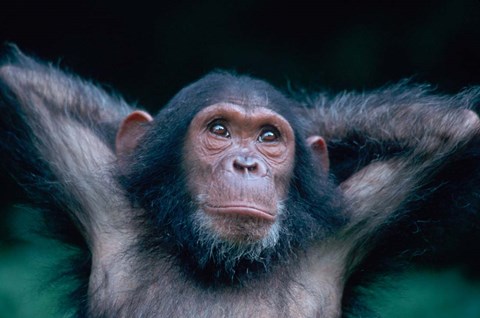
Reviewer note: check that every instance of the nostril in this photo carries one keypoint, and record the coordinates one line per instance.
(238, 166)
(245, 164)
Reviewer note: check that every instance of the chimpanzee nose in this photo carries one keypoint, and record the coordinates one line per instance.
(249, 166)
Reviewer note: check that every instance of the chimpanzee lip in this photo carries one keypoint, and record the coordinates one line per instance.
(241, 210)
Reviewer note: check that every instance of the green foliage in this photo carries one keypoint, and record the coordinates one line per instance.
(428, 294)
(28, 264)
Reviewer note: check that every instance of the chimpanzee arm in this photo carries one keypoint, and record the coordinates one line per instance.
(58, 130)
(403, 134)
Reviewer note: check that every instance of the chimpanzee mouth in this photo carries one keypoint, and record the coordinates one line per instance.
(240, 210)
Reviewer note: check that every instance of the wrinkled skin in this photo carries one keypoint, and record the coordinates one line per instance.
(239, 163)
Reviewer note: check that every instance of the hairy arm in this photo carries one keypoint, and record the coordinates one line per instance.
(57, 134)
(391, 143)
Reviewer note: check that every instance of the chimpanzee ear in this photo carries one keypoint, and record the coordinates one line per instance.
(131, 130)
(320, 151)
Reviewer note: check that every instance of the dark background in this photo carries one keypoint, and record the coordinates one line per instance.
(147, 53)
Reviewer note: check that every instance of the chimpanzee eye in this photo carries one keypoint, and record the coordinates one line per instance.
(269, 134)
(219, 130)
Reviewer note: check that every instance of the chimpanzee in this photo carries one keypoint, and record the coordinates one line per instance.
(226, 203)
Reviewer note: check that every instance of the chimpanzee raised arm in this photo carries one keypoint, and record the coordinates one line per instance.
(387, 144)
(394, 151)
(215, 207)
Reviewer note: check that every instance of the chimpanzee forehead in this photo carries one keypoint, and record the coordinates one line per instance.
(250, 97)
(241, 90)
(247, 101)
(241, 112)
